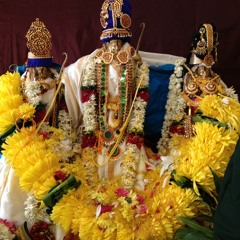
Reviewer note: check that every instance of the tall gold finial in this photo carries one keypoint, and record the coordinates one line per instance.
(39, 39)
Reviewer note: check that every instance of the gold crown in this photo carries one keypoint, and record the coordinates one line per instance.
(39, 40)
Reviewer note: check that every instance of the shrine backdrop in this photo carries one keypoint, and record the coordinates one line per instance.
(75, 28)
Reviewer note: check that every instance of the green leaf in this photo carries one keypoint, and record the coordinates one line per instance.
(179, 180)
(200, 118)
(180, 233)
(205, 218)
(196, 236)
(187, 233)
(194, 225)
(217, 180)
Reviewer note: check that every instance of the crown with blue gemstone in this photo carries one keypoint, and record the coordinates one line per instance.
(115, 18)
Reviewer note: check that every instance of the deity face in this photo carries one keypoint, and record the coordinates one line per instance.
(42, 72)
(114, 46)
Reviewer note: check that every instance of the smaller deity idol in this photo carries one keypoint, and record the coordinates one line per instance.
(191, 82)
(38, 108)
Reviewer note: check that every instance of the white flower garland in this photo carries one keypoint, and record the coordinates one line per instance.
(131, 158)
(34, 213)
(65, 122)
(136, 123)
(89, 115)
(143, 75)
(174, 107)
(65, 148)
(132, 154)
(33, 92)
(89, 107)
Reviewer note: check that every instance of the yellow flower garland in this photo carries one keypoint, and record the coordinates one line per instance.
(202, 152)
(156, 216)
(12, 106)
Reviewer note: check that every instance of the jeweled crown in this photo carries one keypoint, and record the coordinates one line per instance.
(115, 18)
(205, 44)
(39, 40)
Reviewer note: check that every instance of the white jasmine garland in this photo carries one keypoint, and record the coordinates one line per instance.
(136, 123)
(174, 107)
(143, 75)
(33, 92)
(131, 158)
(89, 116)
(33, 211)
(89, 76)
(64, 147)
(64, 121)
(89, 107)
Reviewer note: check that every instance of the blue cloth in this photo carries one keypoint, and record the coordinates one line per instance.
(22, 68)
(155, 112)
(40, 62)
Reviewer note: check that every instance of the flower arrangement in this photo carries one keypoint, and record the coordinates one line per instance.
(113, 209)
(14, 109)
(199, 161)
(109, 210)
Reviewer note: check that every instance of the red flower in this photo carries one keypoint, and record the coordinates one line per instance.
(178, 129)
(39, 115)
(41, 231)
(45, 135)
(88, 141)
(122, 192)
(86, 94)
(60, 175)
(106, 208)
(135, 139)
(142, 209)
(143, 95)
(8, 224)
(140, 199)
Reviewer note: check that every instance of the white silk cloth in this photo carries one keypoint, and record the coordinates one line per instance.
(11, 196)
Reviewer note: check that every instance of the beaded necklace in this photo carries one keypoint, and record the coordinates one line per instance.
(98, 133)
(122, 102)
